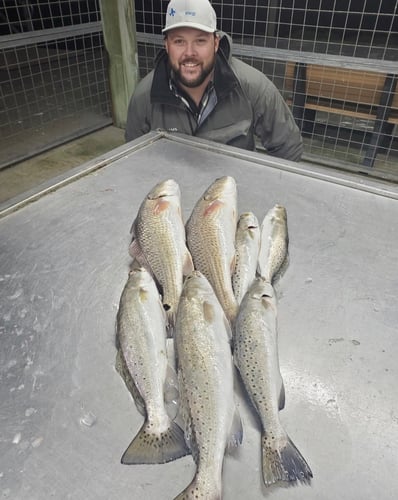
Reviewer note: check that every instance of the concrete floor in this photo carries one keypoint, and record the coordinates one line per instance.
(23, 176)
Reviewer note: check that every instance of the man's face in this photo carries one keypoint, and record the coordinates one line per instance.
(192, 54)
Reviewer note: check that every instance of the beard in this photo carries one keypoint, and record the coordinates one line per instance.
(192, 83)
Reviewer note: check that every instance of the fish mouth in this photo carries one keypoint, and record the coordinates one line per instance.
(160, 195)
(194, 274)
(167, 188)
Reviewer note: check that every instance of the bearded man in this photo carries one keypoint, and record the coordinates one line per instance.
(198, 88)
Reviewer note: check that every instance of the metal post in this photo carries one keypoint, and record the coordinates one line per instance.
(381, 127)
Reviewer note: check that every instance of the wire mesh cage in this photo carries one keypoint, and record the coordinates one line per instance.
(53, 75)
(334, 62)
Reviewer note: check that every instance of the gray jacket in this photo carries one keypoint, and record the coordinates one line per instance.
(248, 105)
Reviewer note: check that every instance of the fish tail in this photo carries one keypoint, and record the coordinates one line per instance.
(152, 448)
(283, 462)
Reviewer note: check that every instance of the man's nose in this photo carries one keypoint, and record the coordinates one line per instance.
(190, 48)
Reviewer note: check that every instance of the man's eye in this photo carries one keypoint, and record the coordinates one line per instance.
(179, 42)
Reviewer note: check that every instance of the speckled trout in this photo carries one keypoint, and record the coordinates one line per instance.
(273, 257)
(247, 244)
(205, 375)
(256, 356)
(141, 337)
(158, 242)
(210, 232)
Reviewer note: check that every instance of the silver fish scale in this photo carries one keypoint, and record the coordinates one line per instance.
(273, 255)
(256, 356)
(194, 399)
(161, 239)
(142, 338)
(247, 243)
(160, 235)
(256, 364)
(141, 331)
(205, 375)
(256, 349)
(211, 241)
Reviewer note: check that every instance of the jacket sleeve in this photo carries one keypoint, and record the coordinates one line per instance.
(276, 128)
(138, 113)
(274, 124)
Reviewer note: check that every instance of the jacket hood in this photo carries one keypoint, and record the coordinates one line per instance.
(225, 45)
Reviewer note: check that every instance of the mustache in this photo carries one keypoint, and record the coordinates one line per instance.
(189, 61)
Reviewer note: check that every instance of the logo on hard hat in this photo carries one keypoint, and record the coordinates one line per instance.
(172, 12)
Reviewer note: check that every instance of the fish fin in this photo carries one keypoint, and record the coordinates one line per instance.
(281, 271)
(132, 228)
(171, 352)
(282, 396)
(208, 312)
(184, 417)
(283, 463)
(136, 252)
(121, 368)
(262, 270)
(170, 320)
(236, 436)
(201, 489)
(171, 392)
(169, 331)
(134, 265)
(171, 386)
(188, 266)
(117, 339)
(232, 264)
(150, 448)
(228, 329)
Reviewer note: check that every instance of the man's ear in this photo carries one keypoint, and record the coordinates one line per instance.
(165, 44)
(216, 42)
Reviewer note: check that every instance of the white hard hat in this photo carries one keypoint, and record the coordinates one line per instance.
(197, 14)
